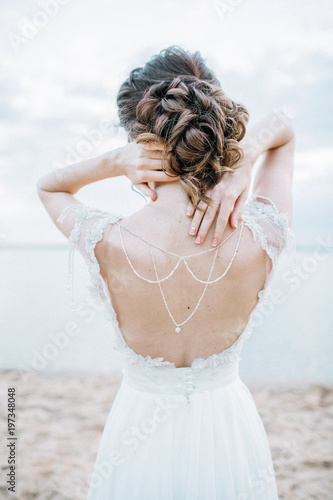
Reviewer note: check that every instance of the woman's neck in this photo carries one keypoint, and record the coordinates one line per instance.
(171, 196)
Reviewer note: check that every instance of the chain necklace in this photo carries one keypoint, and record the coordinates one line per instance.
(180, 259)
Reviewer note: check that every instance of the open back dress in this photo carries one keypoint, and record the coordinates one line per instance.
(181, 433)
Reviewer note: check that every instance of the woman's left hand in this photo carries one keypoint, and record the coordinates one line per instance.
(142, 164)
(228, 199)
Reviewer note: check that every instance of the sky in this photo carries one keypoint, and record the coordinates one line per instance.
(62, 62)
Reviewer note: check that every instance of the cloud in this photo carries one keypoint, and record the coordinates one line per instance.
(63, 82)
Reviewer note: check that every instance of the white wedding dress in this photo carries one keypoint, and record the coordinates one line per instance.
(189, 433)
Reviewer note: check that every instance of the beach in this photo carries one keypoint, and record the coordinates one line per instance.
(60, 418)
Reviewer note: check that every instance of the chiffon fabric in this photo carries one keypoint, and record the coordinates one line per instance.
(191, 433)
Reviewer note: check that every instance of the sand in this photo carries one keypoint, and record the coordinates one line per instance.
(60, 418)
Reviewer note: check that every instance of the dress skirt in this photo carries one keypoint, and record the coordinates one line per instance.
(182, 435)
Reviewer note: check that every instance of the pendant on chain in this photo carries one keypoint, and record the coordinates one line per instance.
(177, 329)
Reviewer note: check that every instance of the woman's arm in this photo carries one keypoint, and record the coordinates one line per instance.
(275, 173)
(56, 189)
(272, 136)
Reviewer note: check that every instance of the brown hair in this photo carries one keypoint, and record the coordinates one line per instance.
(178, 99)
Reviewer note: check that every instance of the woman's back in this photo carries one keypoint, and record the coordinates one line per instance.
(225, 305)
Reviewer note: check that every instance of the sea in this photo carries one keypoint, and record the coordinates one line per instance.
(292, 339)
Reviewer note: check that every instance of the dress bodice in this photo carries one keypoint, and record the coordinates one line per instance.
(269, 228)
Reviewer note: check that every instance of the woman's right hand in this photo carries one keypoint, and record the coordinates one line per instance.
(228, 199)
(272, 134)
(142, 164)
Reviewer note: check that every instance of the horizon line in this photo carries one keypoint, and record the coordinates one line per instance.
(64, 246)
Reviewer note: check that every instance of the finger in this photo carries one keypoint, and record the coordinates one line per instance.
(145, 189)
(149, 164)
(197, 218)
(207, 220)
(190, 210)
(221, 222)
(236, 214)
(153, 145)
(153, 154)
(155, 176)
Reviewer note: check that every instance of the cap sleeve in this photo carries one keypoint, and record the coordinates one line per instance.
(88, 230)
(270, 228)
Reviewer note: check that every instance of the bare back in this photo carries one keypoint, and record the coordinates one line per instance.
(143, 318)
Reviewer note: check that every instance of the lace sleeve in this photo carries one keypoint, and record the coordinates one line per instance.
(270, 228)
(88, 230)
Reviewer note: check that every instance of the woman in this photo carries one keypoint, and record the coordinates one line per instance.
(183, 425)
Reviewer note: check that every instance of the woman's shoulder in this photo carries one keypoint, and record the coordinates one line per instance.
(269, 226)
(90, 226)
(260, 207)
(87, 212)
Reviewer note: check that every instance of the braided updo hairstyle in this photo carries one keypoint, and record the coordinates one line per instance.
(177, 99)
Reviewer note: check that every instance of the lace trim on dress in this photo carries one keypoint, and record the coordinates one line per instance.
(228, 355)
(86, 244)
(274, 238)
(264, 212)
